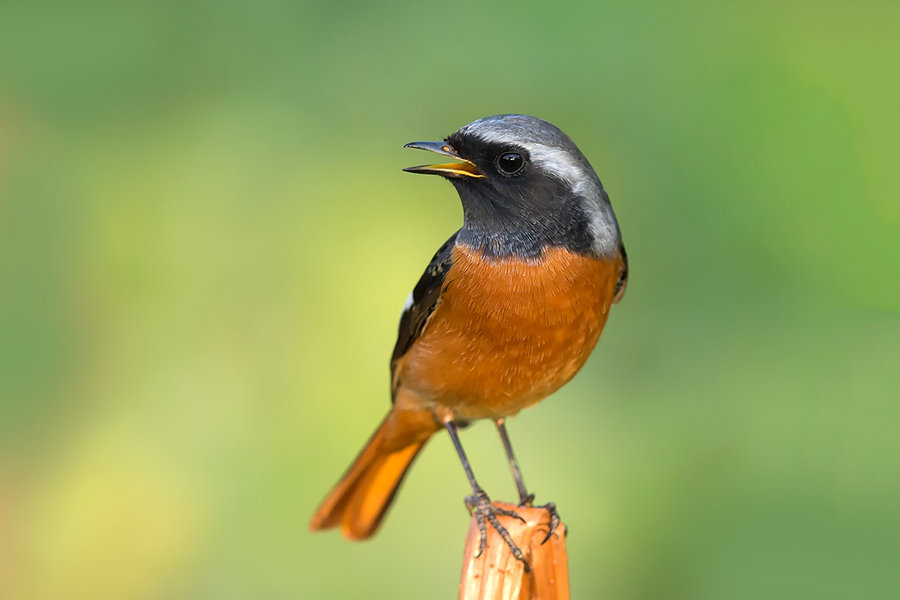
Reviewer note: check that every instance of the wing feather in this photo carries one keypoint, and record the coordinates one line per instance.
(421, 303)
(622, 282)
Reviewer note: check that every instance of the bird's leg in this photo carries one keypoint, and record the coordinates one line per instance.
(481, 507)
(525, 499)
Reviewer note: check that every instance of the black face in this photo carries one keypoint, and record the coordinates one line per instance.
(516, 208)
(506, 160)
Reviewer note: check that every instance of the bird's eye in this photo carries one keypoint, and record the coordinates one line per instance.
(510, 163)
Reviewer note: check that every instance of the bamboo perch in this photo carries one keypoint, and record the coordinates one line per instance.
(498, 575)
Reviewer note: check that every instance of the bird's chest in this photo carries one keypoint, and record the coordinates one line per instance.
(508, 332)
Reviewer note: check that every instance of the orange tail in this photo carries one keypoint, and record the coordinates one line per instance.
(360, 499)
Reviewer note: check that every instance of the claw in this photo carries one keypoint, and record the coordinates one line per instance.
(554, 521)
(508, 513)
(484, 511)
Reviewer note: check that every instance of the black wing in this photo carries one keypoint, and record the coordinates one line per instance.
(421, 303)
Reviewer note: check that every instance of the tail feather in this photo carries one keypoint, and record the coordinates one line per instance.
(361, 498)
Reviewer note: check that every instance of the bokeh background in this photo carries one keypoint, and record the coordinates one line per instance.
(206, 240)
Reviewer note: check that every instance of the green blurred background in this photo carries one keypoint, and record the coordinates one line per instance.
(206, 240)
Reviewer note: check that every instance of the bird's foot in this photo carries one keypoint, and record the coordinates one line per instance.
(484, 511)
(550, 507)
(554, 521)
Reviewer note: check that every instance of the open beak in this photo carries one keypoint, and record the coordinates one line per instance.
(465, 168)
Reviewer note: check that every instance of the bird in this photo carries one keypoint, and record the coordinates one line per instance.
(507, 311)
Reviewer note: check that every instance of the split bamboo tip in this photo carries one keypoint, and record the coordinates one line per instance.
(498, 575)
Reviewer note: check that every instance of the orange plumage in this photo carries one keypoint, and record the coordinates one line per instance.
(508, 332)
(505, 334)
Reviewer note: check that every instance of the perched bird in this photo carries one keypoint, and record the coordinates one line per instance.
(507, 312)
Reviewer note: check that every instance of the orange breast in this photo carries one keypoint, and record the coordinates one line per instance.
(508, 332)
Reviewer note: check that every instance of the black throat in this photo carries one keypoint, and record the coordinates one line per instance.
(546, 215)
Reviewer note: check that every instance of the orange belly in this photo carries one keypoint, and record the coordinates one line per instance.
(508, 332)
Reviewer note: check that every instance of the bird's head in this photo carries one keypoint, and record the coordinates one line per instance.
(524, 185)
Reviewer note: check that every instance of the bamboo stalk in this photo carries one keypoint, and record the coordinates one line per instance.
(498, 575)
